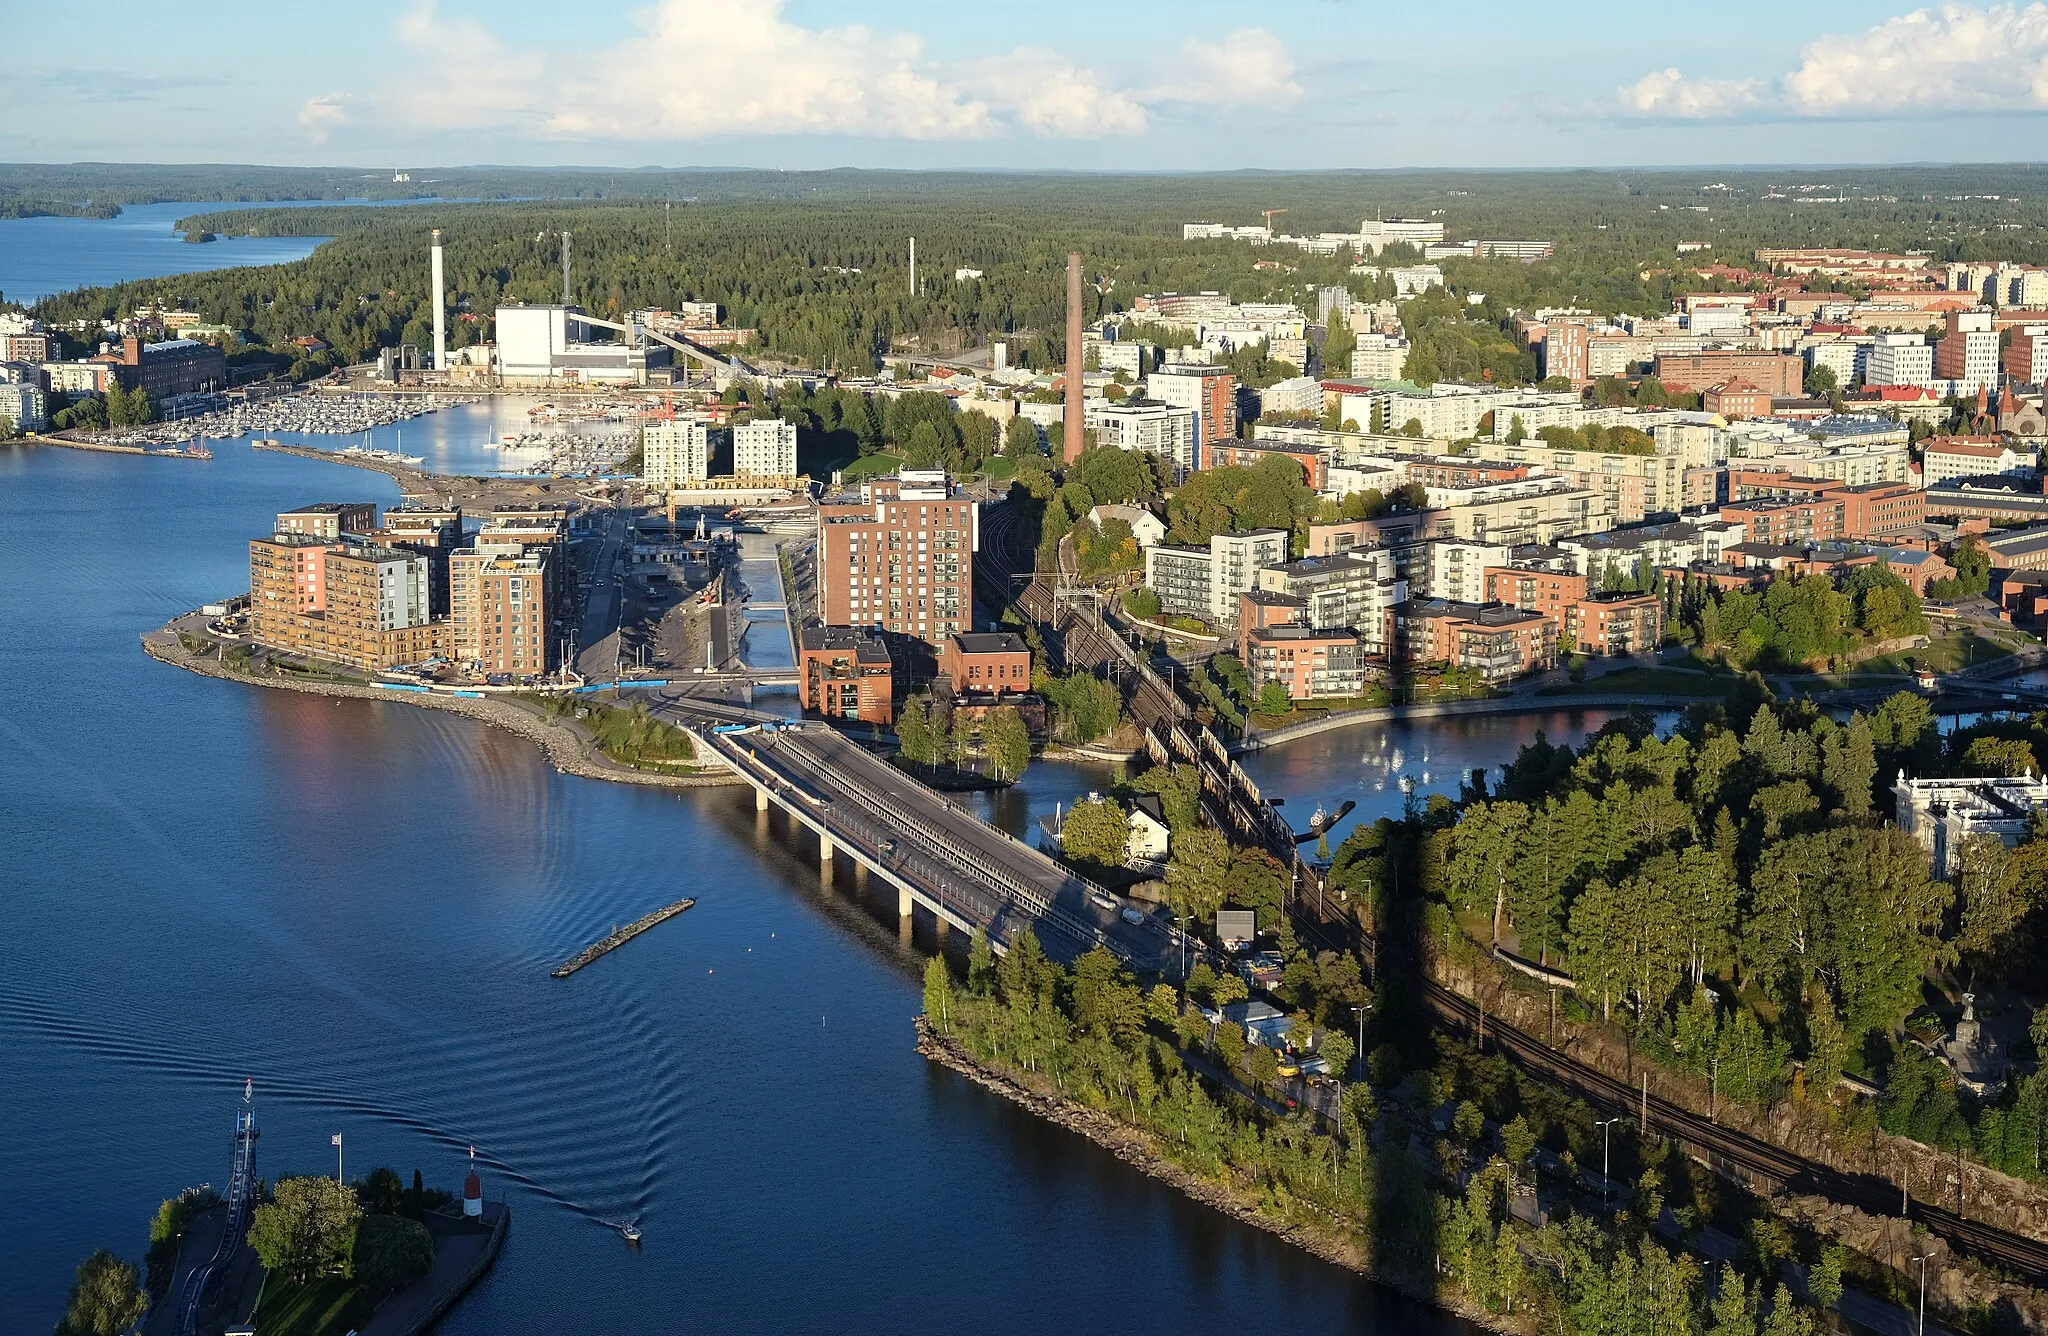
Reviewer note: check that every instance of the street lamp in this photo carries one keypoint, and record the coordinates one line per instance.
(1606, 1181)
(1358, 1054)
(1921, 1328)
(1180, 924)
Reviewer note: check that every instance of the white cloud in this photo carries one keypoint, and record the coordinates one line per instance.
(1249, 67)
(1668, 93)
(473, 81)
(1948, 59)
(701, 69)
(1047, 94)
(320, 115)
(737, 67)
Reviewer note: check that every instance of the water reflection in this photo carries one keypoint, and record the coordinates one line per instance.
(1376, 765)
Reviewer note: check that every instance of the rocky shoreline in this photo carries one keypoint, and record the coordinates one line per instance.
(1135, 1149)
(568, 748)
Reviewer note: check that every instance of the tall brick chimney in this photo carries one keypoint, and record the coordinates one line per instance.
(1074, 358)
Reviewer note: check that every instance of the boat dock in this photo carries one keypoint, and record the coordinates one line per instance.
(619, 937)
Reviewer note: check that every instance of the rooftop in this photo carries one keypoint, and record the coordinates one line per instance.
(991, 642)
(862, 643)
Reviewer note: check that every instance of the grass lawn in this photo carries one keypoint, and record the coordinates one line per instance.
(1000, 468)
(328, 1307)
(871, 465)
(1647, 682)
(1945, 654)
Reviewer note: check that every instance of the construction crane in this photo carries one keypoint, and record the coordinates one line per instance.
(1270, 215)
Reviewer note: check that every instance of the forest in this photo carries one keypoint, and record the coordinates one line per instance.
(1425, 1202)
(1802, 622)
(1734, 898)
(817, 262)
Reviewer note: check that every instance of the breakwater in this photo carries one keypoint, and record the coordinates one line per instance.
(569, 749)
(110, 448)
(618, 937)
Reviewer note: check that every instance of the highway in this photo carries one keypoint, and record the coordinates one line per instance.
(940, 854)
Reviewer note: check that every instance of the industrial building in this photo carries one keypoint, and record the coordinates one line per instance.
(539, 345)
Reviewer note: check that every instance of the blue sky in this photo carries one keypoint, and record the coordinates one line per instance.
(1152, 86)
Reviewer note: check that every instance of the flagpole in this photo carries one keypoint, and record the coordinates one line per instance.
(337, 1159)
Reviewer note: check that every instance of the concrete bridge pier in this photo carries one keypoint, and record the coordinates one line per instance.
(824, 850)
(903, 903)
(760, 800)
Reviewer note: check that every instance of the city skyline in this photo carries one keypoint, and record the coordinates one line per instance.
(800, 85)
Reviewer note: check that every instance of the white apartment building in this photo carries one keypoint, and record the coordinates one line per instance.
(1224, 232)
(1853, 463)
(1848, 357)
(1128, 358)
(1409, 280)
(1302, 394)
(1166, 430)
(1352, 590)
(1376, 234)
(402, 585)
(765, 448)
(1379, 356)
(1969, 353)
(1944, 461)
(675, 453)
(1450, 412)
(1204, 582)
(23, 407)
(1362, 475)
(1453, 568)
(1677, 544)
(1900, 359)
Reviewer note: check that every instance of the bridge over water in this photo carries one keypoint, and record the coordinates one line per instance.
(939, 856)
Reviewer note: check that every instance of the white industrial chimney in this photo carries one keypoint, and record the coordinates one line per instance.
(440, 312)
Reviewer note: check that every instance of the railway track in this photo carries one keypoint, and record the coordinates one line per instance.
(1726, 1148)
(1084, 644)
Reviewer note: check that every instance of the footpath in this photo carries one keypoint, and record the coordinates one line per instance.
(569, 746)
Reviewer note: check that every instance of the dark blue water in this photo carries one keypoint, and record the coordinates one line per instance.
(40, 257)
(356, 905)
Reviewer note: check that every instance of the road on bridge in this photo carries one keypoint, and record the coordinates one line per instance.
(949, 855)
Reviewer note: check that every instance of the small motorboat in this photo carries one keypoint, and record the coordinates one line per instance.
(631, 1233)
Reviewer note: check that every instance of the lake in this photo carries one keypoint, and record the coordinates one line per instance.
(356, 905)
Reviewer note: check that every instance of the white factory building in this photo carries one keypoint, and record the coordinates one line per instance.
(549, 345)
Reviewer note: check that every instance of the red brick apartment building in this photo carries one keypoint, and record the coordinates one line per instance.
(1498, 641)
(1224, 454)
(1777, 375)
(845, 672)
(900, 557)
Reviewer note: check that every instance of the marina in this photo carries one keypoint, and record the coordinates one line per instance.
(307, 413)
(620, 936)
